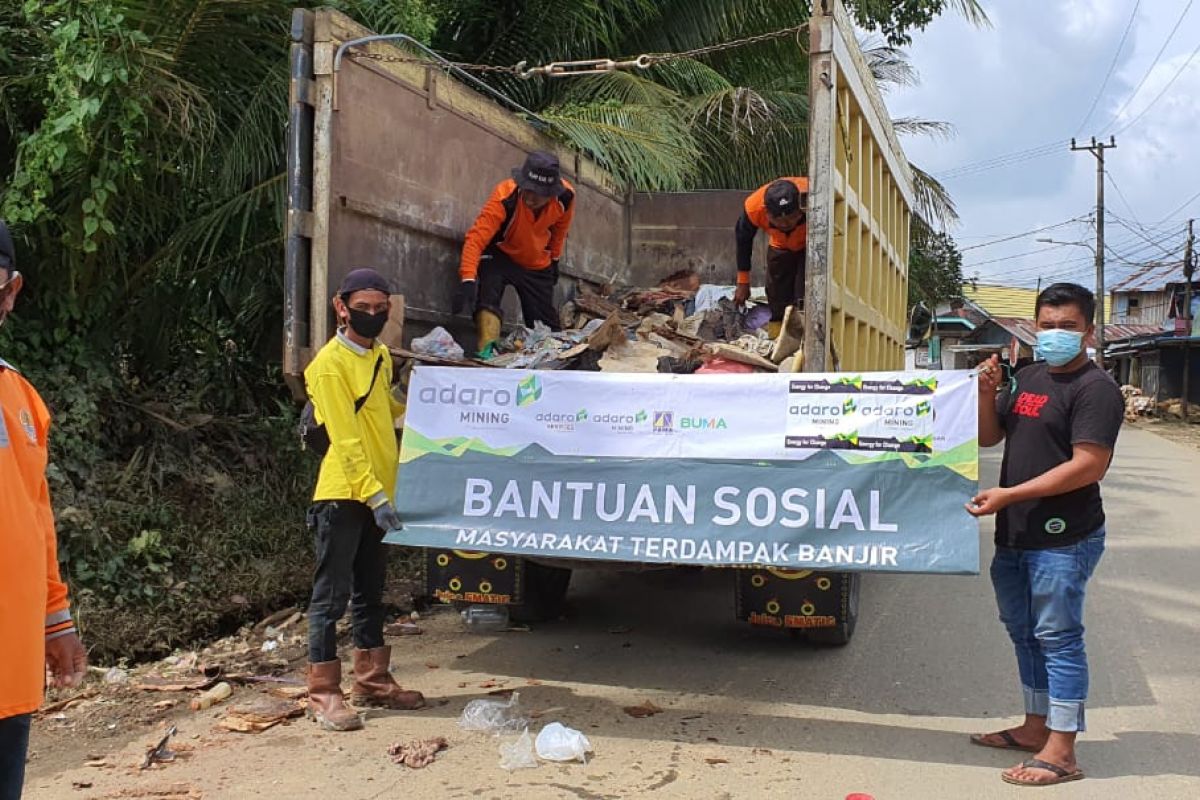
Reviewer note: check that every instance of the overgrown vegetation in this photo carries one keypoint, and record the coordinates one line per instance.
(141, 167)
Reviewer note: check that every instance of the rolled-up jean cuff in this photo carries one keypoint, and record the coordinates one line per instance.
(1066, 716)
(1036, 702)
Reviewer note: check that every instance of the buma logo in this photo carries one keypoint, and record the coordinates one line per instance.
(702, 423)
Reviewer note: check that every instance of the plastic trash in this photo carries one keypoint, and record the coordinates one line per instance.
(438, 343)
(213, 696)
(116, 675)
(485, 618)
(557, 742)
(493, 716)
(518, 754)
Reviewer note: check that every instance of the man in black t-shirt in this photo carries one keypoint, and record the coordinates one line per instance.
(1059, 419)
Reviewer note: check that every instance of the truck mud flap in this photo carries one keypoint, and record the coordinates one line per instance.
(463, 576)
(796, 600)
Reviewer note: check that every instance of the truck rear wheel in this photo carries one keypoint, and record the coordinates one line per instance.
(544, 591)
(839, 635)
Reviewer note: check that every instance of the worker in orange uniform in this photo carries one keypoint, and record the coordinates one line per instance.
(36, 630)
(779, 208)
(516, 241)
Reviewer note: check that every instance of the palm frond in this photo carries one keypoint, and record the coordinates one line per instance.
(934, 129)
(934, 203)
(889, 65)
(642, 145)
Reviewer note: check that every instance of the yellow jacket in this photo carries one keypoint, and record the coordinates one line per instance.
(363, 457)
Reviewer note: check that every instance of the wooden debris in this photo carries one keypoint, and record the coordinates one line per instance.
(259, 714)
(418, 753)
(646, 709)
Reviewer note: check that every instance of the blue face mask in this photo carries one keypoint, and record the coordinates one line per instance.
(1059, 347)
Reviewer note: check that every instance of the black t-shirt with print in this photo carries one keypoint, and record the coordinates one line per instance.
(1043, 416)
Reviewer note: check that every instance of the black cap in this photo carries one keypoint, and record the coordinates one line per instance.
(782, 199)
(362, 279)
(540, 174)
(8, 254)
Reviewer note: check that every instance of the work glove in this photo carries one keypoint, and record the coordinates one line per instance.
(386, 515)
(468, 292)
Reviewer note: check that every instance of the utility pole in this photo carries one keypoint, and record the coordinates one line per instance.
(1097, 149)
(1189, 269)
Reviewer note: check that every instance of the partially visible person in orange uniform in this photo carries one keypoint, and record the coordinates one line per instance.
(36, 630)
(517, 241)
(779, 208)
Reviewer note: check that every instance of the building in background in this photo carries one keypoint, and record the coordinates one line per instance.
(1153, 359)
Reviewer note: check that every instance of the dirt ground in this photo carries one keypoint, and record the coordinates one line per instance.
(743, 713)
(1176, 430)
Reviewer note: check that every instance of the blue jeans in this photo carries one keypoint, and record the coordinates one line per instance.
(14, 743)
(1040, 597)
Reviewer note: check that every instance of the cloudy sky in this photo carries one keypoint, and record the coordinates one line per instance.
(1016, 94)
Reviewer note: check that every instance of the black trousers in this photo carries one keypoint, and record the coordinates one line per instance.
(535, 288)
(351, 569)
(785, 281)
(14, 745)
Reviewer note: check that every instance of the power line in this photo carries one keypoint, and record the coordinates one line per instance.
(1111, 67)
(1153, 64)
(1023, 234)
(1159, 96)
(1005, 160)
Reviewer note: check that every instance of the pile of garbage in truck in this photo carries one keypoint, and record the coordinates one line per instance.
(680, 326)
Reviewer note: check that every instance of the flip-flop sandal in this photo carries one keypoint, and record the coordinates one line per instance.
(1060, 775)
(1010, 742)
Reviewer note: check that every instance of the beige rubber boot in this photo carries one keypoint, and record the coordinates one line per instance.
(487, 329)
(791, 335)
(374, 685)
(326, 704)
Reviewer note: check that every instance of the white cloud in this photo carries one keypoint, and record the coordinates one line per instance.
(1029, 81)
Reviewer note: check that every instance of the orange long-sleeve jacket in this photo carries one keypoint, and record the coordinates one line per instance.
(531, 240)
(33, 598)
(755, 218)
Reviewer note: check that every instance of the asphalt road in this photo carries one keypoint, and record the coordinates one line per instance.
(754, 715)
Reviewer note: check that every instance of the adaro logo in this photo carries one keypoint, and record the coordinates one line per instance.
(529, 391)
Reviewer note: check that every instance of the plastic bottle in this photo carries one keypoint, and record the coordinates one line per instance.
(213, 696)
(485, 618)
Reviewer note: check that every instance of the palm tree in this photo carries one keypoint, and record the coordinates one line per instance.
(732, 119)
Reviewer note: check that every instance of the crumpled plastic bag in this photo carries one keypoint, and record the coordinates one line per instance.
(557, 742)
(518, 754)
(493, 716)
(438, 343)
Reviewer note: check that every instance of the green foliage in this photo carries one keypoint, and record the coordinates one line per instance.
(733, 119)
(934, 269)
(141, 167)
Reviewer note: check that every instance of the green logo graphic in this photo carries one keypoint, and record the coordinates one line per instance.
(924, 408)
(529, 391)
(923, 383)
(581, 415)
(849, 406)
(641, 416)
(1056, 525)
(848, 380)
(851, 437)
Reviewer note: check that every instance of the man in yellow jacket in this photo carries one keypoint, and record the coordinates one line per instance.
(36, 630)
(349, 383)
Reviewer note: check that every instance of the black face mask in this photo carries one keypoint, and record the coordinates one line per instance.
(366, 324)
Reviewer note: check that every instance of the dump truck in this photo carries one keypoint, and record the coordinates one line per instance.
(391, 151)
